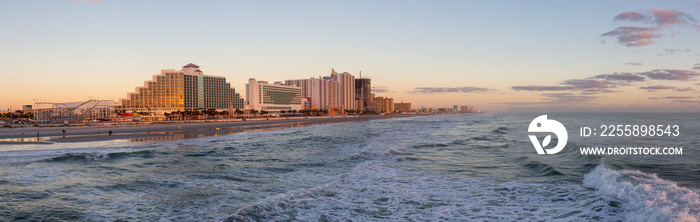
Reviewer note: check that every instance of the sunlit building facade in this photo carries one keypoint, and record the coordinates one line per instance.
(187, 89)
(383, 104)
(262, 96)
(402, 106)
(346, 89)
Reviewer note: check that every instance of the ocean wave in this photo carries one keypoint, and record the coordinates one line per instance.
(501, 130)
(373, 191)
(83, 157)
(644, 197)
(427, 145)
(540, 169)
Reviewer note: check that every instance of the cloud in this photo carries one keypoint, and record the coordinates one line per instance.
(380, 89)
(658, 17)
(592, 86)
(665, 18)
(685, 101)
(658, 87)
(640, 36)
(634, 36)
(661, 87)
(670, 74)
(589, 83)
(587, 86)
(598, 91)
(627, 77)
(631, 16)
(468, 89)
(542, 88)
(674, 51)
(678, 97)
(634, 63)
(568, 98)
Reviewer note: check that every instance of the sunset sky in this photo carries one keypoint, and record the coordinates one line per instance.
(489, 54)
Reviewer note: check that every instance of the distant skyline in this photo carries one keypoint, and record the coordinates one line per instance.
(494, 55)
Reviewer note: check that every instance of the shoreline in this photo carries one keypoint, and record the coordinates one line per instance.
(166, 130)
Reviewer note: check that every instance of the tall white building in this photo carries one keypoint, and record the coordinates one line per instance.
(322, 91)
(260, 95)
(336, 90)
(346, 89)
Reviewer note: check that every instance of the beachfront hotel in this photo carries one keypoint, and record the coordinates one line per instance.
(383, 104)
(336, 91)
(403, 107)
(262, 96)
(322, 91)
(187, 89)
(346, 89)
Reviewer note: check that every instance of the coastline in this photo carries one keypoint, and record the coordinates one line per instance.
(166, 130)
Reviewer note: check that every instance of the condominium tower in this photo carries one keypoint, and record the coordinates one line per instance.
(346, 89)
(263, 96)
(363, 94)
(322, 91)
(336, 90)
(187, 89)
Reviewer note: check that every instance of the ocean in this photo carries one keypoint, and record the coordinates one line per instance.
(461, 167)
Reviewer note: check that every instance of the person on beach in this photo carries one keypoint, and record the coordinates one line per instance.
(64, 132)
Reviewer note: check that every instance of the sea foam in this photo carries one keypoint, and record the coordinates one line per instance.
(644, 197)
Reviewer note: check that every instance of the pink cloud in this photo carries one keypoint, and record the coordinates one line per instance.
(668, 17)
(670, 74)
(640, 36)
(631, 16)
(634, 36)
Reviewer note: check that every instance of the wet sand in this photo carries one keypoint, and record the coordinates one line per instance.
(164, 131)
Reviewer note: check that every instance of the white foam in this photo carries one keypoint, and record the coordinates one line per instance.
(374, 191)
(645, 197)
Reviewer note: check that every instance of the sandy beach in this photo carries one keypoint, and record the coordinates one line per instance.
(164, 130)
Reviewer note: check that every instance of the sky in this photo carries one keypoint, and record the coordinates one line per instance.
(493, 55)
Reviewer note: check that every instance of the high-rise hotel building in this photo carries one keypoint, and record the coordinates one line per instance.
(336, 90)
(322, 91)
(187, 89)
(263, 96)
(346, 89)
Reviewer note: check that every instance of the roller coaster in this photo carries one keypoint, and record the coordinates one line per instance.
(48, 112)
